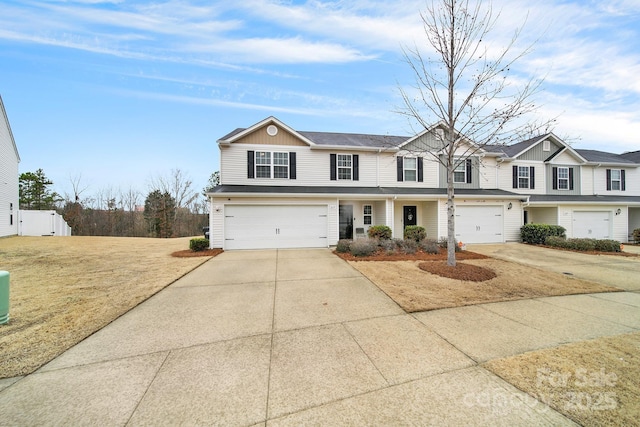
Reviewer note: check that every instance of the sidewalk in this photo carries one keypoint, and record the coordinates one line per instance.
(299, 337)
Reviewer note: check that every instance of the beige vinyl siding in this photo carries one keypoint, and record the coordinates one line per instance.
(505, 177)
(487, 172)
(430, 222)
(543, 215)
(261, 137)
(565, 158)
(513, 220)
(588, 185)
(632, 181)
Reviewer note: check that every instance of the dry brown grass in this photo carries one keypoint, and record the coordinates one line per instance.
(63, 289)
(595, 383)
(416, 290)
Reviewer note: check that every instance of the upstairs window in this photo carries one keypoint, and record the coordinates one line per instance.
(563, 178)
(344, 166)
(524, 177)
(615, 180)
(460, 173)
(410, 169)
(267, 164)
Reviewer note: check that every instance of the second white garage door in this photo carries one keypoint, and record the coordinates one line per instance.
(592, 225)
(479, 224)
(267, 227)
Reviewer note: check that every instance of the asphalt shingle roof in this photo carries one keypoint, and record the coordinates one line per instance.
(603, 157)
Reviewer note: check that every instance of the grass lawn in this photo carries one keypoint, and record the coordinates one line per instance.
(63, 289)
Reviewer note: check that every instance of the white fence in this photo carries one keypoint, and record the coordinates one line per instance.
(42, 223)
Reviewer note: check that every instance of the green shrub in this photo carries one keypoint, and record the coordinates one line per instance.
(583, 244)
(636, 235)
(415, 233)
(199, 244)
(363, 247)
(536, 234)
(343, 246)
(557, 242)
(607, 245)
(430, 246)
(380, 232)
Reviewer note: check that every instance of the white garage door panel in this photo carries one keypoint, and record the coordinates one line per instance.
(592, 225)
(479, 224)
(264, 227)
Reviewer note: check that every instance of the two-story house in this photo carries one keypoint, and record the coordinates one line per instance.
(9, 193)
(283, 188)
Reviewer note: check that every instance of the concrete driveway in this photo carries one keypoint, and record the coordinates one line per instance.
(618, 271)
(300, 337)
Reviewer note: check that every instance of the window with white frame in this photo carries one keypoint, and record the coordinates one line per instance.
(563, 178)
(460, 172)
(410, 165)
(616, 179)
(523, 177)
(270, 164)
(344, 166)
(367, 216)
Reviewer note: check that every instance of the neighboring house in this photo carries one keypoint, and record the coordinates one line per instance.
(9, 187)
(282, 188)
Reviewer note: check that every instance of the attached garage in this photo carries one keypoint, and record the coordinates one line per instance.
(275, 226)
(592, 224)
(480, 224)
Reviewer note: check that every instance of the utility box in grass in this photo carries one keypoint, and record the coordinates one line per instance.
(4, 297)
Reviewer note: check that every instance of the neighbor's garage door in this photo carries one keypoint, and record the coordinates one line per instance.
(593, 225)
(479, 224)
(265, 227)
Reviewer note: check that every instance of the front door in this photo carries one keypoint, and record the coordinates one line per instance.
(345, 221)
(410, 215)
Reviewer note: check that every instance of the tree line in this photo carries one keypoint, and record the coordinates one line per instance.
(172, 207)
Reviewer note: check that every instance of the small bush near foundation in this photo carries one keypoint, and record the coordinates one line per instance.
(343, 246)
(380, 232)
(429, 246)
(409, 246)
(607, 245)
(536, 234)
(415, 233)
(388, 246)
(603, 245)
(363, 247)
(199, 244)
(636, 235)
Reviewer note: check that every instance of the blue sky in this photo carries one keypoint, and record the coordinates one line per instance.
(120, 91)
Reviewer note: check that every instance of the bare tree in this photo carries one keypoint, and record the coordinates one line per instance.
(466, 87)
(180, 188)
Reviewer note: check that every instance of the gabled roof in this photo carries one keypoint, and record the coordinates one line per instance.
(442, 124)
(517, 149)
(6, 120)
(595, 156)
(634, 156)
(323, 139)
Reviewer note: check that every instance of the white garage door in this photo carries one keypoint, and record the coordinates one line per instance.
(266, 227)
(592, 225)
(479, 224)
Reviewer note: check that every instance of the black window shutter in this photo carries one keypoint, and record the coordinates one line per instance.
(400, 168)
(622, 184)
(608, 179)
(250, 164)
(469, 171)
(555, 178)
(332, 165)
(356, 167)
(420, 170)
(570, 178)
(532, 177)
(292, 165)
(515, 177)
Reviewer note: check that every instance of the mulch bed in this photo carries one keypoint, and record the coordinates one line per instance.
(188, 253)
(418, 256)
(461, 271)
